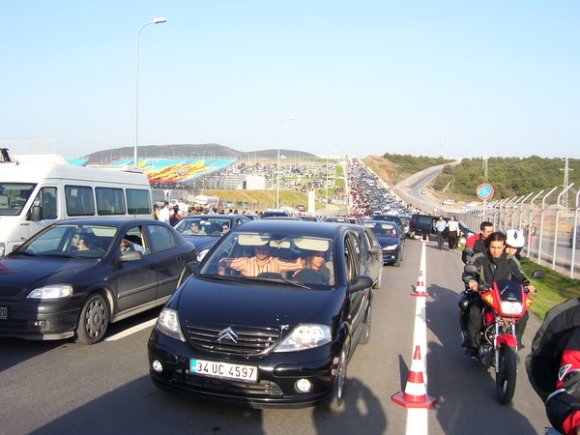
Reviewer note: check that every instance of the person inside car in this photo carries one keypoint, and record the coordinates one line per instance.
(195, 230)
(262, 262)
(314, 270)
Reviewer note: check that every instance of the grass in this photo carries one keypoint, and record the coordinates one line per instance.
(553, 289)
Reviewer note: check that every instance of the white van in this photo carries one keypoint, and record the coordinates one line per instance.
(36, 190)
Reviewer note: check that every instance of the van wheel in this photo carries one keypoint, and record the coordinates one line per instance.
(93, 321)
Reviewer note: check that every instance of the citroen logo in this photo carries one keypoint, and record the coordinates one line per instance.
(228, 334)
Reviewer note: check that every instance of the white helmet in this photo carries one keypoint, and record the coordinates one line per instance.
(515, 238)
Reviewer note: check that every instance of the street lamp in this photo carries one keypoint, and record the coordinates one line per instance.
(159, 20)
(290, 118)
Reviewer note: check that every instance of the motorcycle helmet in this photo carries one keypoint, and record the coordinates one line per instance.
(515, 238)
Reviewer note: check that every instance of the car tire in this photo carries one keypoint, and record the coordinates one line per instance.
(334, 403)
(366, 335)
(93, 321)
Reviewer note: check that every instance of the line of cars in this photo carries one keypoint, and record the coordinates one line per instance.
(278, 338)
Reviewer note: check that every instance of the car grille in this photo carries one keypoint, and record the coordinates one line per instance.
(263, 389)
(246, 340)
(9, 292)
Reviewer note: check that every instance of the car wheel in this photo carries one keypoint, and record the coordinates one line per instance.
(93, 321)
(366, 335)
(337, 396)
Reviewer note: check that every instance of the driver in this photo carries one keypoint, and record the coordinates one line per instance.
(260, 263)
(496, 264)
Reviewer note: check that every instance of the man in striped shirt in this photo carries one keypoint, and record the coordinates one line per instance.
(263, 262)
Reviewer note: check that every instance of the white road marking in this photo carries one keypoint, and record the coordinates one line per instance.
(417, 418)
(132, 330)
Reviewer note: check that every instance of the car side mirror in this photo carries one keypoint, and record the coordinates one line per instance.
(189, 269)
(360, 283)
(131, 255)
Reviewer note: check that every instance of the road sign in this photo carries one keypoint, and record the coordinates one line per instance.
(485, 191)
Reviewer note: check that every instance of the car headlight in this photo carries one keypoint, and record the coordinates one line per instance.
(511, 307)
(168, 324)
(389, 247)
(53, 291)
(202, 254)
(305, 336)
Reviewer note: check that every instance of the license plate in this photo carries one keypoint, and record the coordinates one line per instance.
(224, 370)
(3, 313)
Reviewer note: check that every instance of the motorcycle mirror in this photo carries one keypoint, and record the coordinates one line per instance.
(471, 269)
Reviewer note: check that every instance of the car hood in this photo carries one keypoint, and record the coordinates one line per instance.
(201, 242)
(254, 304)
(23, 271)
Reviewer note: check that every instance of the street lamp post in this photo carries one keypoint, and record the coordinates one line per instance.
(290, 118)
(159, 20)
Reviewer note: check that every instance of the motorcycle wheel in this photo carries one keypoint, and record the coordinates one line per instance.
(506, 374)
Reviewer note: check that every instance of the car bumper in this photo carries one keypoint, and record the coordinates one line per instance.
(40, 320)
(277, 375)
(390, 256)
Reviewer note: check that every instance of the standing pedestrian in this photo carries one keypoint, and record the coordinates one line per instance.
(453, 232)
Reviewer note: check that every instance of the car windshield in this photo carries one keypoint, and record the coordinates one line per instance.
(273, 257)
(382, 229)
(204, 226)
(70, 240)
(13, 196)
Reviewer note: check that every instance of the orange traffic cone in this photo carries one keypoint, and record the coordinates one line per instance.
(420, 286)
(415, 394)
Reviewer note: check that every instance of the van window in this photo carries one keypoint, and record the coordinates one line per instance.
(138, 201)
(46, 200)
(110, 201)
(13, 196)
(79, 201)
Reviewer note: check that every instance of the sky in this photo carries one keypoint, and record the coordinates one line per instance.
(438, 78)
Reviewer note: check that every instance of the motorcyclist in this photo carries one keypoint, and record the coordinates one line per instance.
(515, 241)
(493, 265)
(477, 242)
(553, 366)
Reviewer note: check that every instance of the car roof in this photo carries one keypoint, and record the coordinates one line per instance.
(308, 228)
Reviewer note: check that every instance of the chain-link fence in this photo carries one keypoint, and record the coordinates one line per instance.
(551, 229)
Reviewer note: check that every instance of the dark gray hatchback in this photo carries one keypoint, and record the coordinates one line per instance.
(76, 276)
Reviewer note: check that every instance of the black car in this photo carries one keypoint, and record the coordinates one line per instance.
(204, 230)
(76, 276)
(423, 226)
(391, 240)
(270, 318)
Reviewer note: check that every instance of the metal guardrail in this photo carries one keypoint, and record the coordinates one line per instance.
(551, 230)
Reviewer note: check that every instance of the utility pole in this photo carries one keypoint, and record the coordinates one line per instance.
(566, 170)
(485, 168)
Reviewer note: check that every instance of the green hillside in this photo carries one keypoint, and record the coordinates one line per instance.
(510, 176)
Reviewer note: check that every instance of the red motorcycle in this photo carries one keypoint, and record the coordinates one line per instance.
(505, 304)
